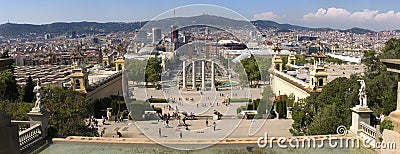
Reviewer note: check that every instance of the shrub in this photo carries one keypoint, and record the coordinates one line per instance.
(251, 116)
(157, 109)
(249, 106)
(157, 100)
(281, 108)
(52, 131)
(240, 100)
(240, 109)
(256, 102)
(386, 124)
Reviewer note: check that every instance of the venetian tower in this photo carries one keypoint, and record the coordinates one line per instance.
(79, 75)
(277, 60)
(318, 75)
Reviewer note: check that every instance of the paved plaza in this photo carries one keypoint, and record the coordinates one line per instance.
(203, 105)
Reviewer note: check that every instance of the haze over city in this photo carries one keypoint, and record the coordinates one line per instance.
(374, 15)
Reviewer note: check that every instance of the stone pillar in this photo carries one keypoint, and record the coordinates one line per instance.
(194, 75)
(207, 50)
(212, 75)
(359, 114)
(190, 50)
(203, 76)
(39, 116)
(184, 76)
(398, 92)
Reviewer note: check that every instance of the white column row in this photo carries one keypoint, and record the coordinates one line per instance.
(184, 75)
(203, 75)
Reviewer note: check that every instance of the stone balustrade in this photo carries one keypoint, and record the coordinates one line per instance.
(369, 130)
(30, 137)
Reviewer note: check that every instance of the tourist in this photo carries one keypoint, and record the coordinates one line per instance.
(119, 134)
(159, 132)
(214, 125)
(96, 122)
(180, 134)
(382, 117)
(206, 122)
(102, 132)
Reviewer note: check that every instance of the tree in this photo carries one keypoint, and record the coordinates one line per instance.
(391, 49)
(281, 108)
(8, 86)
(153, 70)
(250, 67)
(68, 110)
(264, 65)
(17, 110)
(302, 114)
(136, 69)
(371, 60)
(29, 95)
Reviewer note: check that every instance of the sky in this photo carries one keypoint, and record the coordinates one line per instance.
(342, 14)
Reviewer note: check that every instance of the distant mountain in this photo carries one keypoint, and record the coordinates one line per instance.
(10, 30)
(29, 30)
(267, 24)
(222, 22)
(357, 30)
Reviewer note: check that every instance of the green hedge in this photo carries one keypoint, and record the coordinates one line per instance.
(240, 100)
(158, 100)
(240, 109)
(249, 106)
(251, 116)
(137, 109)
(157, 109)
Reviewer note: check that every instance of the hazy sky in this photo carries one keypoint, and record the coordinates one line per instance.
(371, 14)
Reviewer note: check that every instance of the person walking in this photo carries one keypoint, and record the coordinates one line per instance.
(382, 117)
(159, 132)
(180, 134)
(206, 122)
(214, 125)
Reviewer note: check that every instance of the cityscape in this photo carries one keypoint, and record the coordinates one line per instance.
(202, 78)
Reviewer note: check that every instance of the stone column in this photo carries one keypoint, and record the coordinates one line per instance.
(359, 114)
(203, 75)
(41, 117)
(398, 93)
(207, 50)
(184, 75)
(194, 75)
(212, 75)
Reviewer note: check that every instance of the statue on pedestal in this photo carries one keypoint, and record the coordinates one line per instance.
(36, 90)
(362, 94)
